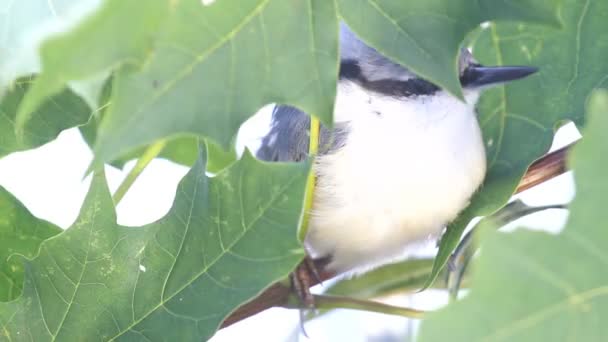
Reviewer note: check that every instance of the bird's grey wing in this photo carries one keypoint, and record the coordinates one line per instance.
(288, 138)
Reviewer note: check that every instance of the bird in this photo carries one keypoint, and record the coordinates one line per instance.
(402, 160)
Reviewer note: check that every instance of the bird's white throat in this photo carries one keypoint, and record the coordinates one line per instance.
(407, 168)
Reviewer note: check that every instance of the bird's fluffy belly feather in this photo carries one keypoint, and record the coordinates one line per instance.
(407, 168)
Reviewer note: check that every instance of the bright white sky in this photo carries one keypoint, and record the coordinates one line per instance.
(48, 180)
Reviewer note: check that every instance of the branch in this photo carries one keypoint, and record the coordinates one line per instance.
(547, 167)
(149, 154)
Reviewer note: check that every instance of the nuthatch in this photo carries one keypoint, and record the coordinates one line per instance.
(403, 159)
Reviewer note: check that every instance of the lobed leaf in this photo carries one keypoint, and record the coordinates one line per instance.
(20, 233)
(518, 120)
(193, 68)
(552, 287)
(224, 240)
(209, 77)
(425, 35)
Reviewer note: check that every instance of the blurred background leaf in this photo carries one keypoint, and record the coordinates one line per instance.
(519, 120)
(532, 286)
(26, 24)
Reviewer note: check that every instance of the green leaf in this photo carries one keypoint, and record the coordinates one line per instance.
(208, 69)
(20, 233)
(518, 120)
(219, 158)
(468, 246)
(551, 287)
(214, 76)
(121, 31)
(182, 149)
(64, 110)
(225, 239)
(425, 35)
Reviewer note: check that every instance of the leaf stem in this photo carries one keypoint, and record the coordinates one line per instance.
(324, 302)
(459, 260)
(313, 148)
(150, 153)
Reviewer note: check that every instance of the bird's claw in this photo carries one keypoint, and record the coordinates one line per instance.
(302, 279)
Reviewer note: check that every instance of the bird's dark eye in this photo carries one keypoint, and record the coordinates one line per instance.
(350, 69)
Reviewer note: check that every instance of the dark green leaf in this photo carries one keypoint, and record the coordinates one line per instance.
(425, 35)
(20, 233)
(550, 288)
(224, 240)
(518, 120)
(63, 110)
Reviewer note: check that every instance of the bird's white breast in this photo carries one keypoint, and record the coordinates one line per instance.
(407, 168)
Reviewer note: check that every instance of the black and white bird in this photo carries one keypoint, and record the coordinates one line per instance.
(403, 159)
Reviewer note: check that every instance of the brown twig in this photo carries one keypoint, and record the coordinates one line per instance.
(547, 167)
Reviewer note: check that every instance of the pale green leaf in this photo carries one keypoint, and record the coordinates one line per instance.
(212, 76)
(195, 68)
(224, 240)
(20, 233)
(24, 25)
(121, 31)
(518, 120)
(533, 286)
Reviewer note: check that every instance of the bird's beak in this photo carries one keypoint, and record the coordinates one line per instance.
(482, 76)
